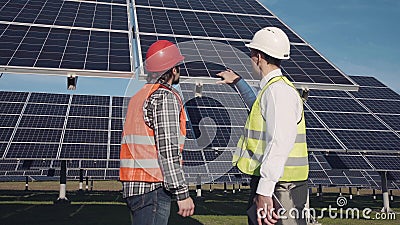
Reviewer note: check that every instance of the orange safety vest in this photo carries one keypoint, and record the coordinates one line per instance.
(138, 155)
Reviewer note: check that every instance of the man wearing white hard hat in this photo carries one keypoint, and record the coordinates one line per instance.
(273, 149)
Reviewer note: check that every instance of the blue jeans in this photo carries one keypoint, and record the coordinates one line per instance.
(152, 208)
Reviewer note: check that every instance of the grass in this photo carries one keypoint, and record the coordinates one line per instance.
(19, 207)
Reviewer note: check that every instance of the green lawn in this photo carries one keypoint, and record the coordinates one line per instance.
(107, 207)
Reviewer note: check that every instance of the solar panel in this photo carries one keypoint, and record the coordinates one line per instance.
(46, 109)
(116, 137)
(368, 140)
(92, 111)
(11, 108)
(218, 116)
(367, 81)
(41, 122)
(245, 6)
(5, 134)
(382, 106)
(3, 146)
(321, 139)
(37, 135)
(334, 105)
(8, 120)
(311, 121)
(57, 37)
(86, 136)
(351, 121)
(49, 98)
(376, 93)
(32, 151)
(192, 156)
(328, 93)
(87, 123)
(232, 23)
(80, 151)
(392, 120)
(338, 161)
(385, 163)
(117, 124)
(7, 96)
(90, 100)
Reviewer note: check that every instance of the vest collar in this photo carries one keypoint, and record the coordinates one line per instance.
(270, 75)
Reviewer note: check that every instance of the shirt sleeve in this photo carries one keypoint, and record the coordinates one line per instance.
(166, 133)
(247, 92)
(280, 109)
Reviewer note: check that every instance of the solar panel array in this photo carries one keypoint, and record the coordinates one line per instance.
(85, 130)
(212, 36)
(60, 37)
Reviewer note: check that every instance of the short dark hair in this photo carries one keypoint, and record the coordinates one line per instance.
(164, 78)
(268, 58)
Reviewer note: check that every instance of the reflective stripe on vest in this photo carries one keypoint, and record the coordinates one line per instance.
(138, 155)
(252, 144)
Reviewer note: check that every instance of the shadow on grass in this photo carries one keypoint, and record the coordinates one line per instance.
(36, 207)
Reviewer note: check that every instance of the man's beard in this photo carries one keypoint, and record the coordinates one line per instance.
(175, 81)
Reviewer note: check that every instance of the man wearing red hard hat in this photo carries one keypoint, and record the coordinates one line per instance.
(152, 143)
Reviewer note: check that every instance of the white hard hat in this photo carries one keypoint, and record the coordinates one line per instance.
(272, 41)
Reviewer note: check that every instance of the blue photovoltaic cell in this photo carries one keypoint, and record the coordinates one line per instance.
(3, 147)
(217, 136)
(116, 137)
(335, 104)
(317, 175)
(367, 81)
(83, 151)
(375, 93)
(217, 116)
(235, 6)
(321, 139)
(210, 99)
(113, 164)
(7, 96)
(45, 109)
(120, 101)
(192, 156)
(11, 108)
(392, 120)
(85, 136)
(385, 163)
(5, 134)
(87, 123)
(328, 93)
(213, 155)
(32, 151)
(92, 111)
(49, 98)
(112, 173)
(8, 120)
(117, 124)
(114, 151)
(347, 162)
(66, 13)
(90, 100)
(42, 122)
(37, 135)
(351, 121)
(368, 140)
(163, 21)
(311, 121)
(382, 106)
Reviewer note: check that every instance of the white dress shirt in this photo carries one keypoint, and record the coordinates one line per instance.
(282, 110)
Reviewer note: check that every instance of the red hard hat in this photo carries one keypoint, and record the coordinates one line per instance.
(162, 56)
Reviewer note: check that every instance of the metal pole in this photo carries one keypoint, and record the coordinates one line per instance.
(225, 191)
(62, 198)
(80, 180)
(198, 187)
(26, 183)
(351, 194)
(233, 189)
(385, 193)
(87, 184)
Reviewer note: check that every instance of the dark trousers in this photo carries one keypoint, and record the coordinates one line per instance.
(290, 194)
(151, 208)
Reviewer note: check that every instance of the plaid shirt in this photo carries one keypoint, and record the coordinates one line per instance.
(161, 113)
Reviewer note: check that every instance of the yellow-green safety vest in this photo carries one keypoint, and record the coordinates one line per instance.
(251, 145)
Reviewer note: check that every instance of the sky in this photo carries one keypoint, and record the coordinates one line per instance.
(360, 37)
